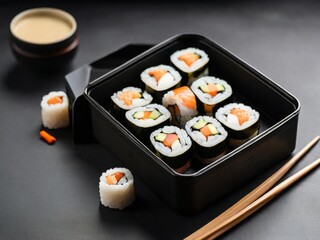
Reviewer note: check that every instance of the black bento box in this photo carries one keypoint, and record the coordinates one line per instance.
(201, 185)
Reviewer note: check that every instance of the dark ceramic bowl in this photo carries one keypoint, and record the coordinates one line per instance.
(43, 38)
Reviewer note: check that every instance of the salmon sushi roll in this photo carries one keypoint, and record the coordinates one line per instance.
(159, 80)
(241, 121)
(173, 146)
(181, 102)
(192, 63)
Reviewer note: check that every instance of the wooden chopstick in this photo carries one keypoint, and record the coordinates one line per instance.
(256, 193)
(260, 202)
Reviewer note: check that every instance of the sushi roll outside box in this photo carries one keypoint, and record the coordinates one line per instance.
(211, 94)
(209, 138)
(241, 122)
(192, 63)
(173, 146)
(144, 120)
(159, 80)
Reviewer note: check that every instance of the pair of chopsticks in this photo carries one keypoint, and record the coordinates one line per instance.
(256, 198)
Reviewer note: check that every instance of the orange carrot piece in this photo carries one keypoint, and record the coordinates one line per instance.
(206, 131)
(47, 137)
(213, 90)
(242, 115)
(170, 139)
(157, 73)
(55, 100)
(189, 58)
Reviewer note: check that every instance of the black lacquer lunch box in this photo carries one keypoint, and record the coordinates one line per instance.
(200, 185)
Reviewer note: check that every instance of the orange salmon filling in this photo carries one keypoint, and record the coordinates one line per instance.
(55, 100)
(128, 96)
(242, 115)
(114, 178)
(187, 97)
(170, 139)
(157, 73)
(189, 58)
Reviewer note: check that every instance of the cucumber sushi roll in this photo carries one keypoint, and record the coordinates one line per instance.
(211, 93)
(159, 80)
(144, 120)
(191, 62)
(116, 188)
(173, 146)
(241, 121)
(129, 98)
(209, 138)
(181, 103)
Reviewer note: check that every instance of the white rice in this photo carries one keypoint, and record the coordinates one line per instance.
(180, 64)
(225, 117)
(117, 196)
(198, 137)
(146, 98)
(55, 115)
(186, 113)
(185, 141)
(145, 123)
(206, 98)
(168, 80)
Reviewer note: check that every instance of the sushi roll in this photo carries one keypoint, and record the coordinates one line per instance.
(209, 138)
(55, 110)
(211, 93)
(128, 98)
(173, 146)
(182, 105)
(144, 120)
(116, 188)
(191, 62)
(159, 80)
(241, 121)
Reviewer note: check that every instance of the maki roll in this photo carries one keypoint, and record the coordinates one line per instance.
(159, 80)
(128, 98)
(211, 93)
(144, 120)
(181, 103)
(241, 122)
(191, 62)
(116, 188)
(173, 146)
(209, 138)
(55, 110)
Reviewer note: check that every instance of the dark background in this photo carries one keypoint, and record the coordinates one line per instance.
(51, 192)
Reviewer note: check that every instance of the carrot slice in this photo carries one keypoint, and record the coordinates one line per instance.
(242, 115)
(170, 139)
(206, 131)
(189, 58)
(213, 90)
(114, 178)
(55, 100)
(157, 73)
(146, 115)
(47, 137)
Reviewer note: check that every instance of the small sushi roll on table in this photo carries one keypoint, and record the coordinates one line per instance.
(159, 80)
(241, 121)
(116, 188)
(209, 138)
(211, 94)
(182, 105)
(173, 146)
(128, 98)
(55, 110)
(144, 120)
(192, 63)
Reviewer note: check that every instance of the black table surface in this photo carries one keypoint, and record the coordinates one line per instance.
(51, 191)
